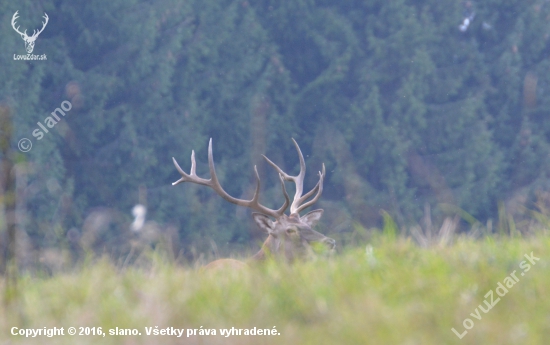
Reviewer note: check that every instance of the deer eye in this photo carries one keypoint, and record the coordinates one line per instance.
(291, 231)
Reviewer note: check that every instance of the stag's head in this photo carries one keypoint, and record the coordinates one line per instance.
(292, 236)
(289, 236)
(29, 40)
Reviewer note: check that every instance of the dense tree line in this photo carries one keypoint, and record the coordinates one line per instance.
(403, 107)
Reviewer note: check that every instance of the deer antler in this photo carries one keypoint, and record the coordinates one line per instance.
(215, 185)
(13, 23)
(297, 206)
(34, 33)
(43, 26)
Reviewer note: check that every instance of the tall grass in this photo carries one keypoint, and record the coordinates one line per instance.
(391, 292)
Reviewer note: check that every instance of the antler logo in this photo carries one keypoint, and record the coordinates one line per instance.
(29, 40)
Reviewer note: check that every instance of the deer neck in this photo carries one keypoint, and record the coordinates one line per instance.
(268, 248)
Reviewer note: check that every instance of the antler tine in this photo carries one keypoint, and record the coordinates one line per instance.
(180, 170)
(14, 22)
(43, 23)
(287, 199)
(193, 163)
(299, 181)
(34, 32)
(192, 177)
(214, 183)
(318, 187)
(14, 18)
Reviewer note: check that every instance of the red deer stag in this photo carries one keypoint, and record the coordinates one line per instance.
(289, 237)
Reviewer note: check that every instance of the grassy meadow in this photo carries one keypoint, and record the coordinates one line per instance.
(389, 292)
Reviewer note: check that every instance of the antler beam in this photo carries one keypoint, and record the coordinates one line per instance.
(214, 183)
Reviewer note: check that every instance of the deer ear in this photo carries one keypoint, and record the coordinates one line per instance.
(311, 218)
(263, 222)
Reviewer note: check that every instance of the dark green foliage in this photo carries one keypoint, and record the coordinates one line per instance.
(402, 107)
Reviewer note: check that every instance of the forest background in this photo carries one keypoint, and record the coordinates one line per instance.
(405, 109)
